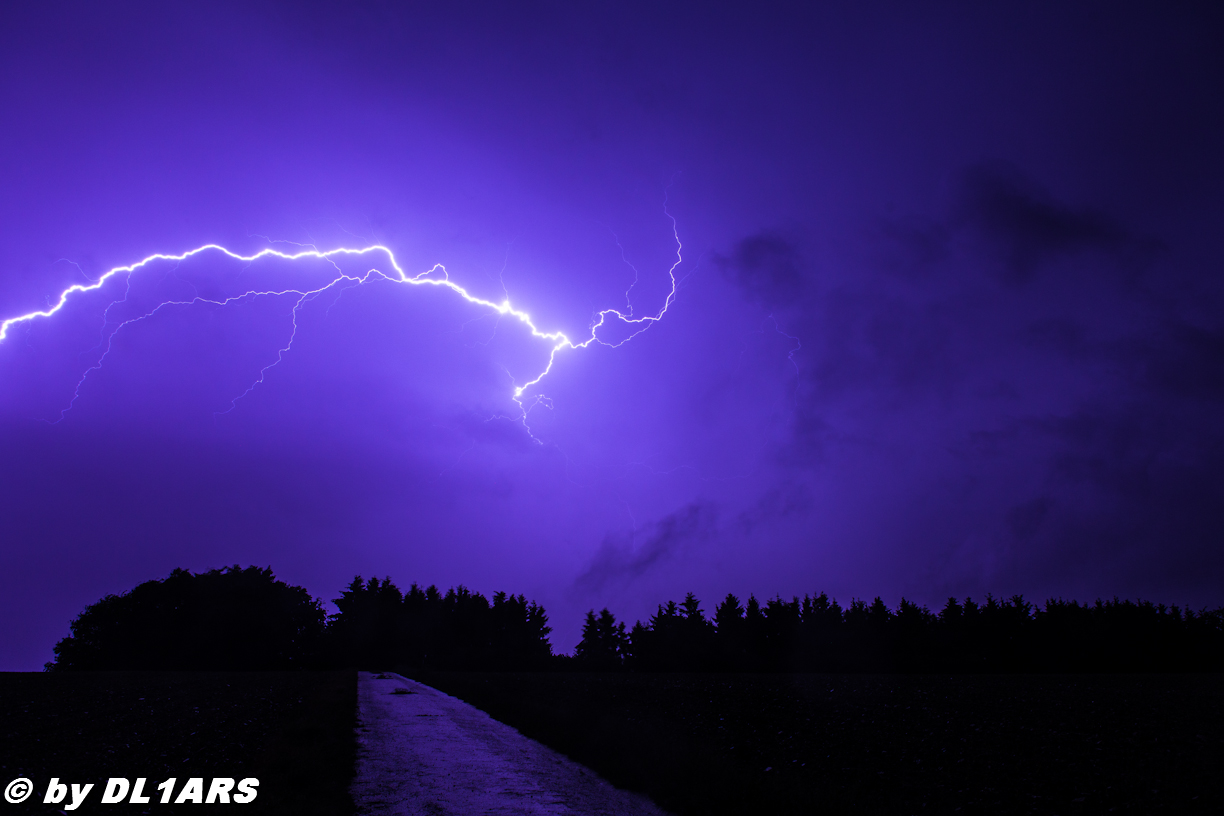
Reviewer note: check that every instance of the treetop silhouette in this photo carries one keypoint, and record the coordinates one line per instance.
(236, 618)
(231, 618)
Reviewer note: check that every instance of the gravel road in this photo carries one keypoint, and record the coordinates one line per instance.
(423, 752)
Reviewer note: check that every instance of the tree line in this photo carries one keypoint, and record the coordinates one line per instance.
(379, 626)
(816, 634)
(244, 618)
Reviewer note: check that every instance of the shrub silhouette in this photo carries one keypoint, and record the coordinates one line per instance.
(223, 619)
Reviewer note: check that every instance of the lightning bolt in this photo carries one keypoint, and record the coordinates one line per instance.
(435, 276)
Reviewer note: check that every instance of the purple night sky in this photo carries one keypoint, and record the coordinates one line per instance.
(949, 316)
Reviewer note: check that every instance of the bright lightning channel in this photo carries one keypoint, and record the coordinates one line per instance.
(558, 339)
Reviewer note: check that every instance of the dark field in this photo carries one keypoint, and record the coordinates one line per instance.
(291, 730)
(749, 744)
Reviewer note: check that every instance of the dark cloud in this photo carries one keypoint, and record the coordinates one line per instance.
(617, 560)
(922, 242)
(1148, 475)
(1062, 336)
(1025, 519)
(1128, 448)
(1145, 508)
(1183, 360)
(767, 267)
(1025, 225)
(1000, 380)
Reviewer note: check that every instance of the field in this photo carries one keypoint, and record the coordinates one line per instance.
(291, 730)
(748, 744)
(697, 744)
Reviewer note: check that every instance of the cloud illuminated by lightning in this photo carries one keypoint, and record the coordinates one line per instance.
(435, 276)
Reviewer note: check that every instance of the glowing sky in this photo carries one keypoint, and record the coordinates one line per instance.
(947, 319)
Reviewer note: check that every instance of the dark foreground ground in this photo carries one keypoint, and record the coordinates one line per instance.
(754, 744)
(291, 730)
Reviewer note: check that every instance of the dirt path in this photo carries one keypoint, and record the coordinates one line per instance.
(424, 752)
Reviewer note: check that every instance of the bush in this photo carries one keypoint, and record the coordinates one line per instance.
(223, 619)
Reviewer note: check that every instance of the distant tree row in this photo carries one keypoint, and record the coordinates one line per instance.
(236, 618)
(818, 634)
(378, 626)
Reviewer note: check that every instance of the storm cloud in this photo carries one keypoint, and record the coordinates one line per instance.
(943, 304)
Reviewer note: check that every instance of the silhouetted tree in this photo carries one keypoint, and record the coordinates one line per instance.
(369, 627)
(230, 618)
(677, 638)
(756, 633)
(378, 627)
(731, 634)
(823, 639)
(604, 642)
(782, 623)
